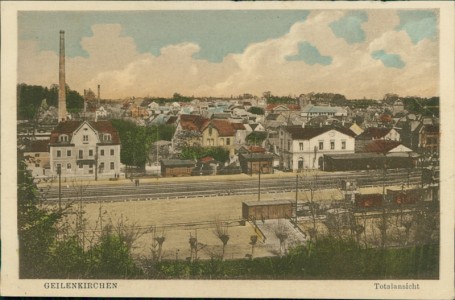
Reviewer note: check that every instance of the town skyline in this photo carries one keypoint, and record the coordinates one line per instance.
(371, 48)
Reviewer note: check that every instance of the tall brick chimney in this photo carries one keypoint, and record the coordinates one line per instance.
(98, 104)
(62, 83)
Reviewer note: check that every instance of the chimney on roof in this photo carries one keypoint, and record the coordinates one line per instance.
(303, 124)
(85, 101)
(61, 77)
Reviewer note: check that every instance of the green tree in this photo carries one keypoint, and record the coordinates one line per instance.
(256, 137)
(36, 228)
(256, 110)
(196, 152)
(136, 142)
(111, 257)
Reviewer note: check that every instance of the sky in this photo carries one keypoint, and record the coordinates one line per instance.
(357, 53)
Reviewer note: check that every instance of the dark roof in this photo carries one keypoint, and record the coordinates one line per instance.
(380, 146)
(38, 146)
(171, 120)
(373, 133)
(256, 156)
(68, 127)
(431, 128)
(299, 133)
(272, 117)
(177, 162)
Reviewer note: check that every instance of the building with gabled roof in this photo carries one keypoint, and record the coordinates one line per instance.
(36, 154)
(304, 147)
(384, 146)
(84, 149)
(209, 133)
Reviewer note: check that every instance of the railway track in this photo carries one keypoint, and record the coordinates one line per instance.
(171, 190)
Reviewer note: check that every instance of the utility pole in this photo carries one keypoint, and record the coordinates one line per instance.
(96, 163)
(259, 185)
(59, 172)
(296, 196)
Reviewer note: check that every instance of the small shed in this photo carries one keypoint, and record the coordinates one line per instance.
(176, 167)
(270, 209)
(253, 163)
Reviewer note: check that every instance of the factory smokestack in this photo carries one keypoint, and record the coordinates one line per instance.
(98, 97)
(62, 83)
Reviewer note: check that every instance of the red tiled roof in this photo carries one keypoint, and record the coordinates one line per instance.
(106, 127)
(380, 146)
(192, 122)
(224, 128)
(238, 126)
(206, 159)
(68, 127)
(199, 123)
(256, 149)
(299, 133)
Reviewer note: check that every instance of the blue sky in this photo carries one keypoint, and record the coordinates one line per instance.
(226, 52)
(217, 32)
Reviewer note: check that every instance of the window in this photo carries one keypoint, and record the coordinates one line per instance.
(343, 145)
(289, 145)
(90, 152)
(59, 153)
(63, 138)
(228, 141)
(68, 166)
(321, 145)
(37, 165)
(85, 138)
(102, 152)
(36, 154)
(107, 137)
(68, 153)
(112, 166)
(101, 166)
(59, 167)
(222, 142)
(112, 151)
(332, 145)
(90, 171)
(90, 165)
(80, 165)
(81, 154)
(301, 146)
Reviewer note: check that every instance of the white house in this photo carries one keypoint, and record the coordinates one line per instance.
(84, 149)
(311, 111)
(304, 148)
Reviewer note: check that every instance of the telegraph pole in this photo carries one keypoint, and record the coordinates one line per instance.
(96, 163)
(296, 196)
(59, 172)
(259, 185)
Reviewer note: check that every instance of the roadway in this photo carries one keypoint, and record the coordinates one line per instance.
(211, 186)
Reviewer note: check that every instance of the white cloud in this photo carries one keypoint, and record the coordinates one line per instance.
(122, 71)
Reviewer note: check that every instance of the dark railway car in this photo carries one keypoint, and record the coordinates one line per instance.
(368, 200)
